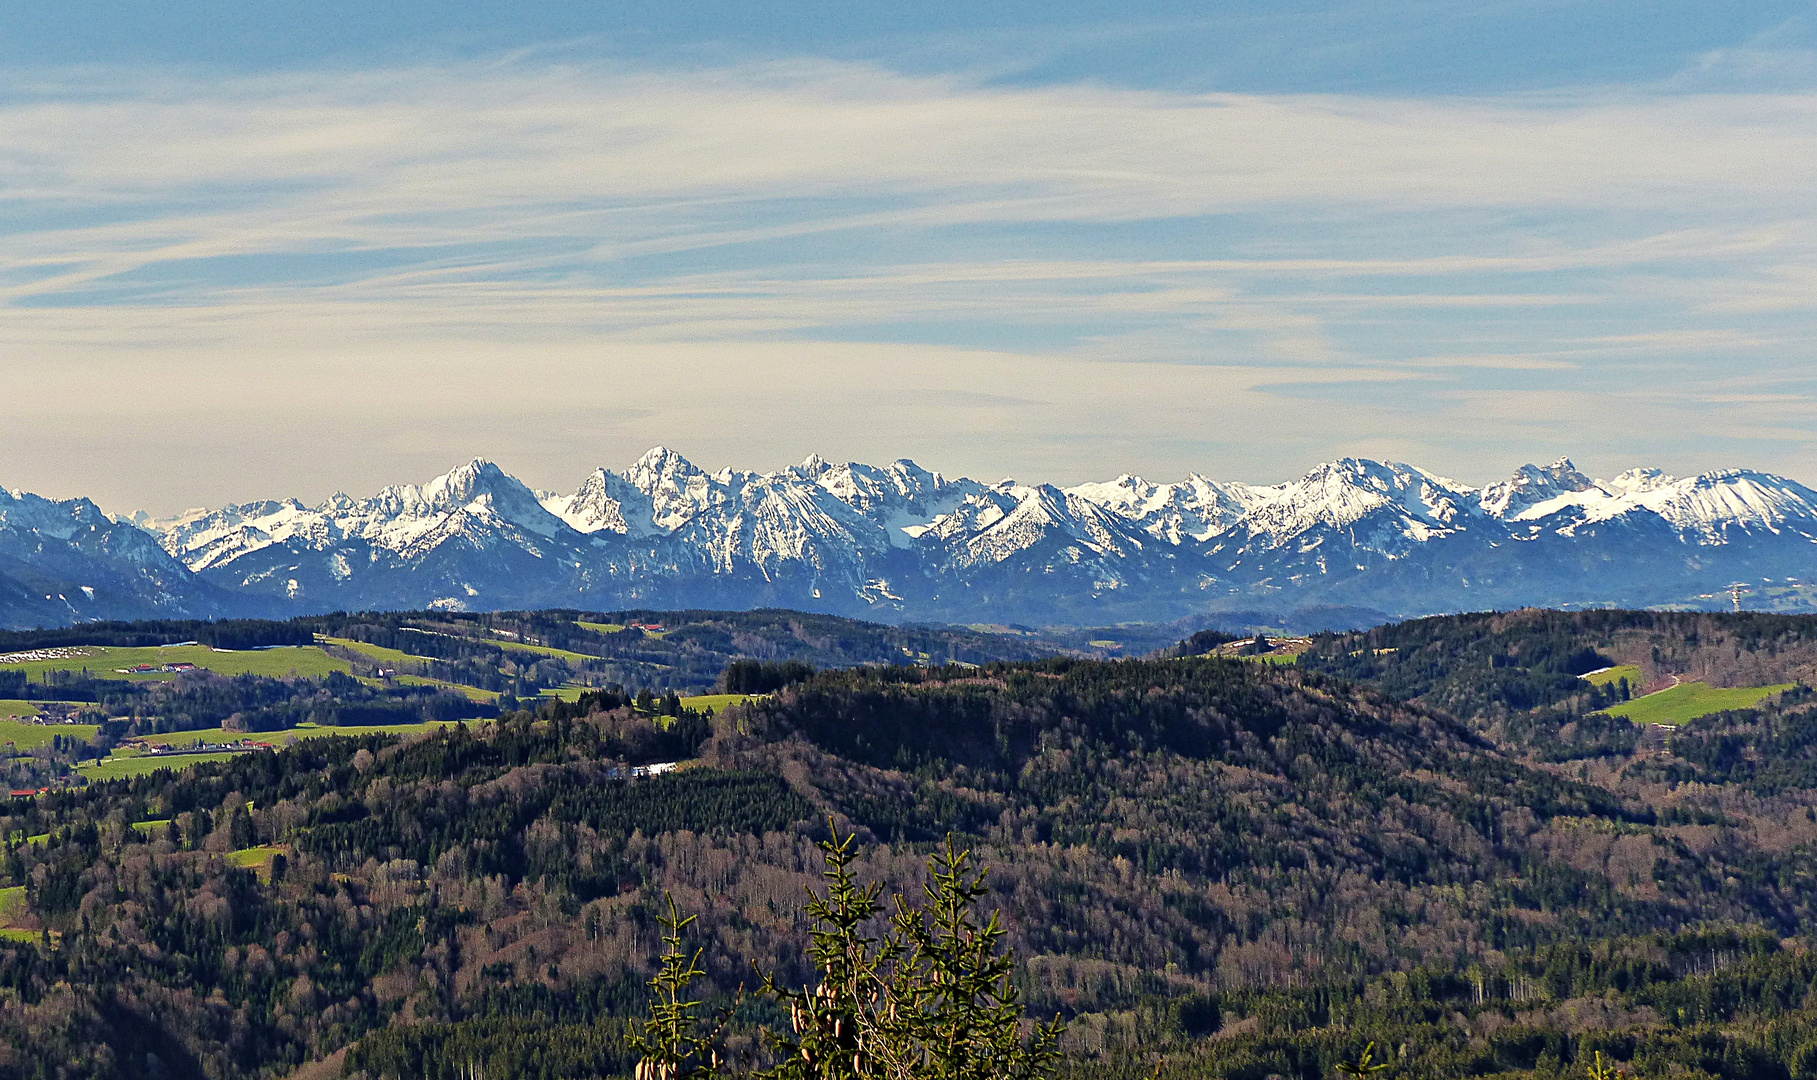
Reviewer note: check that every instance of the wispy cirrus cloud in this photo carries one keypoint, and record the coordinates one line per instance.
(1132, 271)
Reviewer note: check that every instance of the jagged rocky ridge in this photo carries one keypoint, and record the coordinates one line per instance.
(898, 542)
(64, 562)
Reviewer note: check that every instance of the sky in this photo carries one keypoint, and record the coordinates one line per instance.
(260, 250)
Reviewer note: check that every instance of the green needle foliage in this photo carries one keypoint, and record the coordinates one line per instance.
(674, 1044)
(1600, 1071)
(929, 997)
(1364, 1068)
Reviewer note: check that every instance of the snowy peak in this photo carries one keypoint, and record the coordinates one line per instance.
(1338, 495)
(829, 513)
(1703, 509)
(1193, 509)
(1641, 481)
(995, 524)
(605, 502)
(462, 485)
(897, 496)
(812, 466)
(469, 503)
(47, 517)
(677, 490)
(660, 465)
(64, 561)
(855, 538)
(1531, 485)
(479, 489)
(1709, 505)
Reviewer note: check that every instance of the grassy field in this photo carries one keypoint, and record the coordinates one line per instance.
(105, 662)
(1288, 659)
(278, 738)
(1615, 675)
(12, 907)
(1688, 701)
(716, 702)
(601, 627)
(544, 650)
(403, 659)
(257, 859)
(25, 735)
(15, 708)
(377, 653)
(310, 731)
(122, 765)
(473, 693)
(1282, 650)
(213, 734)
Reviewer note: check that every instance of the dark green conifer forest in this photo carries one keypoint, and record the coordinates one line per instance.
(1431, 837)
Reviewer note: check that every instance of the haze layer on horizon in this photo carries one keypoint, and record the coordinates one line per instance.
(270, 252)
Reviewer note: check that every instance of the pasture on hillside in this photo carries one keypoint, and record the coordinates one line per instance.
(302, 731)
(1687, 701)
(112, 662)
(25, 735)
(122, 766)
(13, 907)
(1612, 675)
(474, 693)
(377, 653)
(716, 702)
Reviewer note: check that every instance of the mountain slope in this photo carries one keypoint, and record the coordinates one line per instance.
(64, 562)
(900, 542)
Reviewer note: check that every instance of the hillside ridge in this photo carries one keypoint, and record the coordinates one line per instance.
(901, 543)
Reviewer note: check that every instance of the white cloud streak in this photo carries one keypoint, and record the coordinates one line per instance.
(493, 243)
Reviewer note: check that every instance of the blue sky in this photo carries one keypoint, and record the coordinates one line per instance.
(260, 249)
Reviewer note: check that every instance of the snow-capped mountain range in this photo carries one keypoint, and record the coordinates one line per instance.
(897, 542)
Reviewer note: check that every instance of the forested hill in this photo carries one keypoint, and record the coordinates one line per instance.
(1477, 663)
(1180, 848)
(525, 652)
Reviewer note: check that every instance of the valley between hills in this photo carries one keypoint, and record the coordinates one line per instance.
(437, 844)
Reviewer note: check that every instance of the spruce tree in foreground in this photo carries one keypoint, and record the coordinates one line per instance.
(931, 998)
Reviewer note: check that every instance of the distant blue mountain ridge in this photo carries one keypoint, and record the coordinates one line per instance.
(1350, 542)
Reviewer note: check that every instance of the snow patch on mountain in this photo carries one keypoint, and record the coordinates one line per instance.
(605, 502)
(1704, 509)
(1531, 486)
(1193, 509)
(902, 539)
(1381, 505)
(468, 504)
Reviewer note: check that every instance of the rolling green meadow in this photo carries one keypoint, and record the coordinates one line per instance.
(109, 662)
(1611, 676)
(374, 652)
(125, 766)
(12, 906)
(1689, 701)
(25, 735)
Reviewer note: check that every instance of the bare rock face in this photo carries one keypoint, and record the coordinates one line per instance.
(64, 562)
(898, 542)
